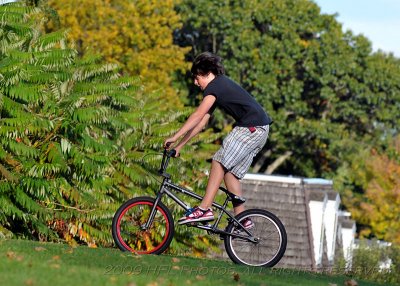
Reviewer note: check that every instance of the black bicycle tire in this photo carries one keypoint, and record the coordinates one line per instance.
(145, 200)
(271, 216)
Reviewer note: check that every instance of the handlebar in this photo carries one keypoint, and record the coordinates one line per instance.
(165, 160)
(170, 153)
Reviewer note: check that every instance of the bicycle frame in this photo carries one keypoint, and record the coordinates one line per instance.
(167, 187)
(145, 225)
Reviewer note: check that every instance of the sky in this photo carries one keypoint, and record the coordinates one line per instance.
(378, 20)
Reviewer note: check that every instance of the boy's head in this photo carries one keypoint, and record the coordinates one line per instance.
(207, 62)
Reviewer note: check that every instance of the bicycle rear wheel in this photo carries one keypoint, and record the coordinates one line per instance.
(128, 227)
(271, 239)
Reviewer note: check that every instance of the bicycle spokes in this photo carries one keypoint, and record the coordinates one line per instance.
(264, 247)
(129, 231)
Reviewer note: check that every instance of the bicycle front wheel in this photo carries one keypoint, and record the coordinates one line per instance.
(128, 227)
(270, 244)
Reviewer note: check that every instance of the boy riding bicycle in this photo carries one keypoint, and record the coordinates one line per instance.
(231, 162)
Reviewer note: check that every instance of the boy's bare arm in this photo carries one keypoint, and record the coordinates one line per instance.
(193, 132)
(194, 120)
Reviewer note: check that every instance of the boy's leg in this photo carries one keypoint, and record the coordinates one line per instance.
(217, 173)
(214, 181)
(233, 185)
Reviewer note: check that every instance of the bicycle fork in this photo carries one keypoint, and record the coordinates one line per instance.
(147, 225)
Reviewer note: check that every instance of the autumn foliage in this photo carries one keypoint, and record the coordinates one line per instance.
(377, 208)
(382, 205)
(137, 35)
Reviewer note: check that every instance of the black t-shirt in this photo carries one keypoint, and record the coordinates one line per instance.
(237, 102)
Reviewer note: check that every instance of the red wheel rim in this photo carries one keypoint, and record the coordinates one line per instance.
(119, 228)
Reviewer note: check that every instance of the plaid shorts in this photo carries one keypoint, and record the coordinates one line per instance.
(240, 147)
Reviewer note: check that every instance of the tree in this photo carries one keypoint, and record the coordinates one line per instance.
(137, 35)
(59, 117)
(324, 89)
(376, 206)
(73, 136)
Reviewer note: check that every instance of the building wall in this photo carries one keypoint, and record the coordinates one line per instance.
(317, 211)
(331, 224)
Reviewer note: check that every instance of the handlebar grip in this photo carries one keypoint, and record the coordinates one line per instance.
(172, 153)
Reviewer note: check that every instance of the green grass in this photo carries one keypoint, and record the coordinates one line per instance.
(33, 263)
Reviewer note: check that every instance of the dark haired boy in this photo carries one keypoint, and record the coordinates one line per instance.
(250, 132)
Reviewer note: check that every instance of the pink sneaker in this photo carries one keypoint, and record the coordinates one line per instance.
(197, 214)
(247, 223)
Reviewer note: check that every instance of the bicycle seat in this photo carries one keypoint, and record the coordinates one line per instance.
(234, 198)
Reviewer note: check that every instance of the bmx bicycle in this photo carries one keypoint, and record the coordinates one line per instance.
(144, 225)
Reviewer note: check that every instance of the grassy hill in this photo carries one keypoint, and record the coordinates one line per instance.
(33, 263)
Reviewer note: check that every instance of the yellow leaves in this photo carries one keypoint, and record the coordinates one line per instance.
(14, 256)
(304, 43)
(380, 206)
(198, 253)
(92, 244)
(206, 240)
(135, 34)
(200, 277)
(70, 240)
(236, 276)
(148, 242)
(351, 282)
(176, 260)
(56, 257)
(75, 230)
(29, 282)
